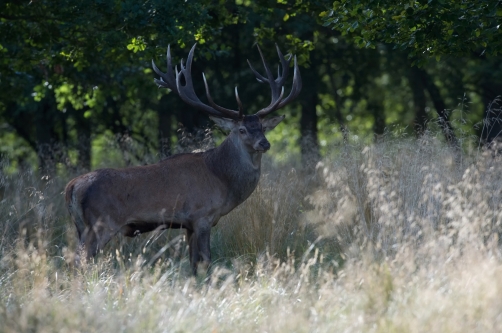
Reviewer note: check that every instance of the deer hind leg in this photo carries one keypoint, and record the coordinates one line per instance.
(79, 221)
(95, 238)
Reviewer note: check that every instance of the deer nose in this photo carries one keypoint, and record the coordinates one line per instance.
(265, 144)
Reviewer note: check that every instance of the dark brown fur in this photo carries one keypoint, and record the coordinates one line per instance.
(189, 191)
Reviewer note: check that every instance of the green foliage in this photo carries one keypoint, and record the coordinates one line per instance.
(91, 36)
(422, 27)
(76, 69)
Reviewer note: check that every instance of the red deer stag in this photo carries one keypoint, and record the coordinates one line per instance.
(189, 191)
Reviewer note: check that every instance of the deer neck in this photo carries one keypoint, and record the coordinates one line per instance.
(236, 166)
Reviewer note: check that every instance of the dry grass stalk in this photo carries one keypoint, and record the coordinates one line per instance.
(393, 237)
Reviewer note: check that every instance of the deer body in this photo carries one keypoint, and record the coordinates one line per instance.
(190, 191)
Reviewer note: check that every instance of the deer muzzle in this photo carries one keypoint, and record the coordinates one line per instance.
(263, 145)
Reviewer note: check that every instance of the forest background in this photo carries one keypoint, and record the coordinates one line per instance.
(77, 91)
(379, 207)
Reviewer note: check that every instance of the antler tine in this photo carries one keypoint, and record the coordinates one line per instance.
(227, 112)
(167, 80)
(278, 83)
(241, 109)
(188, 95)
(260, 78)
(280, 78)
(273, 87)
(295, 89)
(285, 67)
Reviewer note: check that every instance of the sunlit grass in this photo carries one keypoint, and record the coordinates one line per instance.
(401, 236)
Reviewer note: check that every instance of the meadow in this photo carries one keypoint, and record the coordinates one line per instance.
(397, 236)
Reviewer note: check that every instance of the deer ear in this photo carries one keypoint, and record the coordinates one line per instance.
(224, 124)
(270, 123)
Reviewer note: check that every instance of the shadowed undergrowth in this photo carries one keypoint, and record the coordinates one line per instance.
(398, 236)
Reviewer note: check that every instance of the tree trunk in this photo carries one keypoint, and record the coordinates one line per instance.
(46, 139)
(309, 145)
(375, 106)
(418, 91)
(23, 123)
(440, 106)
(338, 105)
(375, 94)
(83, 127)
(164, 128)
(118, 128)
(492, 119)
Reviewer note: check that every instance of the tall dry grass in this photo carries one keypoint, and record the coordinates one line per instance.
(398, 236)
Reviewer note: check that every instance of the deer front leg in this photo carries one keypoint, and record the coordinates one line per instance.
(199, 248)
(191, 250)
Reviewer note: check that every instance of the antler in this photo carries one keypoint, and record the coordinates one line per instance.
(171, 79)
(167, 80)
(277, 85)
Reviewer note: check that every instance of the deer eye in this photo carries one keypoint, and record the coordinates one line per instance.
(242, 130)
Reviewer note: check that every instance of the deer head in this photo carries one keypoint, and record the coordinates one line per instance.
(248, 130)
